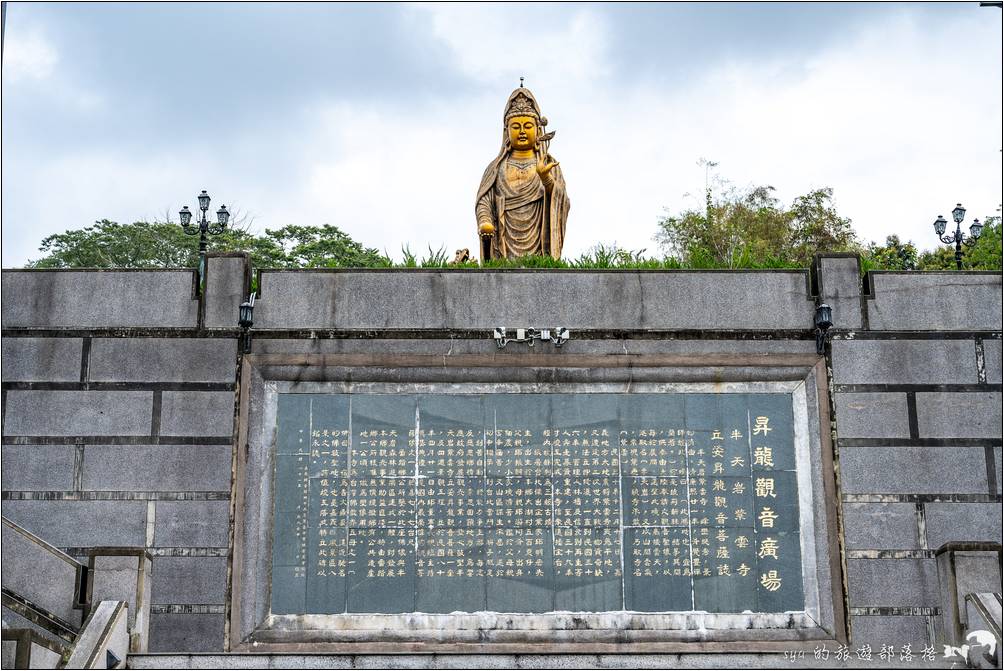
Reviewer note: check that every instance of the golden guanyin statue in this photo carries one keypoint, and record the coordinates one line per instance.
(522, 205)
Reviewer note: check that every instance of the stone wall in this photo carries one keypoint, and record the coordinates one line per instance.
(119, 393)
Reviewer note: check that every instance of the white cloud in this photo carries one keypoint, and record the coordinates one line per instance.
(28, 55)
(495, 42)
(860, 117)
(900, 122)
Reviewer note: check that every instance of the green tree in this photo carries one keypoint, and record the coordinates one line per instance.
(108, 244)
(752, 228)
(893, 255)
(324, 246)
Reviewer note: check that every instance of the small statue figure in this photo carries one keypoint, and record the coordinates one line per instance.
(522, 205)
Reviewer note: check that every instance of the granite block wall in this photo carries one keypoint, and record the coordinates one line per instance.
(119, 389)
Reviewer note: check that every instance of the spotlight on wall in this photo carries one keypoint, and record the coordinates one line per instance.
(559, 336)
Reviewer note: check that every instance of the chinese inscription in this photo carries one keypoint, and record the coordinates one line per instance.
(533, 503)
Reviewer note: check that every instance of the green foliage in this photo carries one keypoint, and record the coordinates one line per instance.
(986, 253)
(749, 230)
(108, 244)
(753, 229)
(322, 247)
(893, 255)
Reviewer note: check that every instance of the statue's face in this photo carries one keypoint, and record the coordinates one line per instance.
(522, 132)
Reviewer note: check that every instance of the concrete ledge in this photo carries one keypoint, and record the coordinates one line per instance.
(796, 659)
(99, 298)
(934, 301)
(574, 299)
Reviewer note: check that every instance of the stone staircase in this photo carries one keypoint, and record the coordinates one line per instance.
(60, 613)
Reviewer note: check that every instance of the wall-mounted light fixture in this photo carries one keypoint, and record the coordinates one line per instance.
(245, 320)
(823, 320)
(559, 336)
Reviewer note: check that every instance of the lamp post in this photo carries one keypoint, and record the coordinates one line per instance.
(959, 238)
(203, 229)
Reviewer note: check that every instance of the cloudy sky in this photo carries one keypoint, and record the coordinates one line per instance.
(381, 118)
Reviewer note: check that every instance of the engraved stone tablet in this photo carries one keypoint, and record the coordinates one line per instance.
(534, 503)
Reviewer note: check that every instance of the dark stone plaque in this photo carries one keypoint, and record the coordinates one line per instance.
(532, 503)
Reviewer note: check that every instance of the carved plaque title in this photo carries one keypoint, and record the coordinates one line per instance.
(533, 503)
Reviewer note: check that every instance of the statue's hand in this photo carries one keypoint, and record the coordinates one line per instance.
(543, 166)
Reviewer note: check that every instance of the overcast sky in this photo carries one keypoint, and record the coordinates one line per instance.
(381, 118)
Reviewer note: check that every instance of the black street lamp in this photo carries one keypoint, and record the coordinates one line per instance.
(959, 238)
(204, 228)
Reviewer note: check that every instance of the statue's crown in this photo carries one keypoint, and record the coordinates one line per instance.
(522, 104)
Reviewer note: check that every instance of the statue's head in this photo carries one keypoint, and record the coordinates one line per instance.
(522, 120)
(522, 132)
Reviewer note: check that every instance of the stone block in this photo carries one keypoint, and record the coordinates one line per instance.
(192, 523)
(962, 522)
(160, 660)
(558, 661)
(754, 349)
(125, 576)
(935, 301)
(639, 661)
(576, 299)
(976, 571)
(475, 662)
(872, 415)
(913, 470)
(992, 360)
(892, 582)
(43, 657)
(393, 661)
(228, 283)
(315, 661)
(99, 298)
(78, 413)
(9, 653)
(904, 362)
(839, 287)
(229, 661)
(163, 360)
(999, 471)
(197, 413)
(185, 632)
(81, 523)
(894, 630)
(37, 467)
(880, 526)
(157, 468)
(41, 359)
(189, 580)
(39, 573)
(959, 415)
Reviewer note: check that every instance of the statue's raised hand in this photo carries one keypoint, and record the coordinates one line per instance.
(543, 166)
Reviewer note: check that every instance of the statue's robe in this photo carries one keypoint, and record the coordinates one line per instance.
(528, 217)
